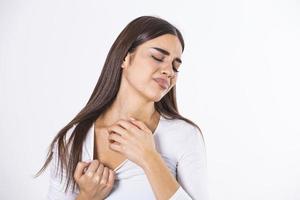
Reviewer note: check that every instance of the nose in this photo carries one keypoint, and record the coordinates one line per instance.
(168, 70)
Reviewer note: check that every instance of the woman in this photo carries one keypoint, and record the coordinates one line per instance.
(129, 141)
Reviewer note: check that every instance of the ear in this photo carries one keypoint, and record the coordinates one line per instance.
(126, 61)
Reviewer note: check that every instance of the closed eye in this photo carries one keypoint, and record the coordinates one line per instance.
(161, 60)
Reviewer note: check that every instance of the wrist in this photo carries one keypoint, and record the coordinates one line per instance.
(84, 196)
(150, 158)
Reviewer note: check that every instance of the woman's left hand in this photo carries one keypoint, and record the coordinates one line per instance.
(132, 139)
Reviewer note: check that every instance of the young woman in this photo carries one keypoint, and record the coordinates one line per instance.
(129, 141)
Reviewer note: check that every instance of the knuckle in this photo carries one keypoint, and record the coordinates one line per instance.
(102, 183)
(89, 174)
(101, 165)
(96, 179)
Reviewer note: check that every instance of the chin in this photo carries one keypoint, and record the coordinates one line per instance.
(154, 92)
(156, 95)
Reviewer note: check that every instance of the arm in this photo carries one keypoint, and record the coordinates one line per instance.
(191, 172)
(161, 180)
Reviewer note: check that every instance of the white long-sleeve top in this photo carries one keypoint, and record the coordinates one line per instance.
(180, 145)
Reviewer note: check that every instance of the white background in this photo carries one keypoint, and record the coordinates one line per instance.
(239, 82)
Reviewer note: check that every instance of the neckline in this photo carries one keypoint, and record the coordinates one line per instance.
(158, 125)
(126, 160)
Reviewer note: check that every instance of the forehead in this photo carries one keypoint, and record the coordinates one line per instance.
(168, 42)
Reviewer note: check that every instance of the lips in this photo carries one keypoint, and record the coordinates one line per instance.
(162, 82)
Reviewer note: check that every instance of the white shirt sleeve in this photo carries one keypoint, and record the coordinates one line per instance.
(192, 170)
(56, 190)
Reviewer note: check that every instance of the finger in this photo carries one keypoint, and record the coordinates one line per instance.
(104, 176)
(89, 162)
(79, 169)
(127, 125)
(96, 178)
(117, 138)
(92, 168)
(117, 129)
(111, 178)
(116, 147)
(98, 173)
(141, 125)
(100, 169)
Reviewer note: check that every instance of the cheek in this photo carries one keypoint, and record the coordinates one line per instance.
(144, 71)
(140, 75)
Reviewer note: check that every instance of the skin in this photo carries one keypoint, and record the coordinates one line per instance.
(96, 182)
(132, 119)
(138, 91)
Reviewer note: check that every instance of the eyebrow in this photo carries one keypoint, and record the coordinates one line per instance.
(165, 52)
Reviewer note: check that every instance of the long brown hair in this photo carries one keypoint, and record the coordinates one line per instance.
(137, 32)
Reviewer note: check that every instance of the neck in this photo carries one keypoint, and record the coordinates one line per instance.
(130, 104)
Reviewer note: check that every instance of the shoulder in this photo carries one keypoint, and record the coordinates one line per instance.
(185, 137)
(181, 129)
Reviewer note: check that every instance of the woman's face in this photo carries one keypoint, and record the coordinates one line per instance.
(156, 58)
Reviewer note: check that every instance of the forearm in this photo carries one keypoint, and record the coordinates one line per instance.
(163, 183)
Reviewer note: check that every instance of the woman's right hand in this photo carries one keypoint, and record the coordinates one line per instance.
(96, 182)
